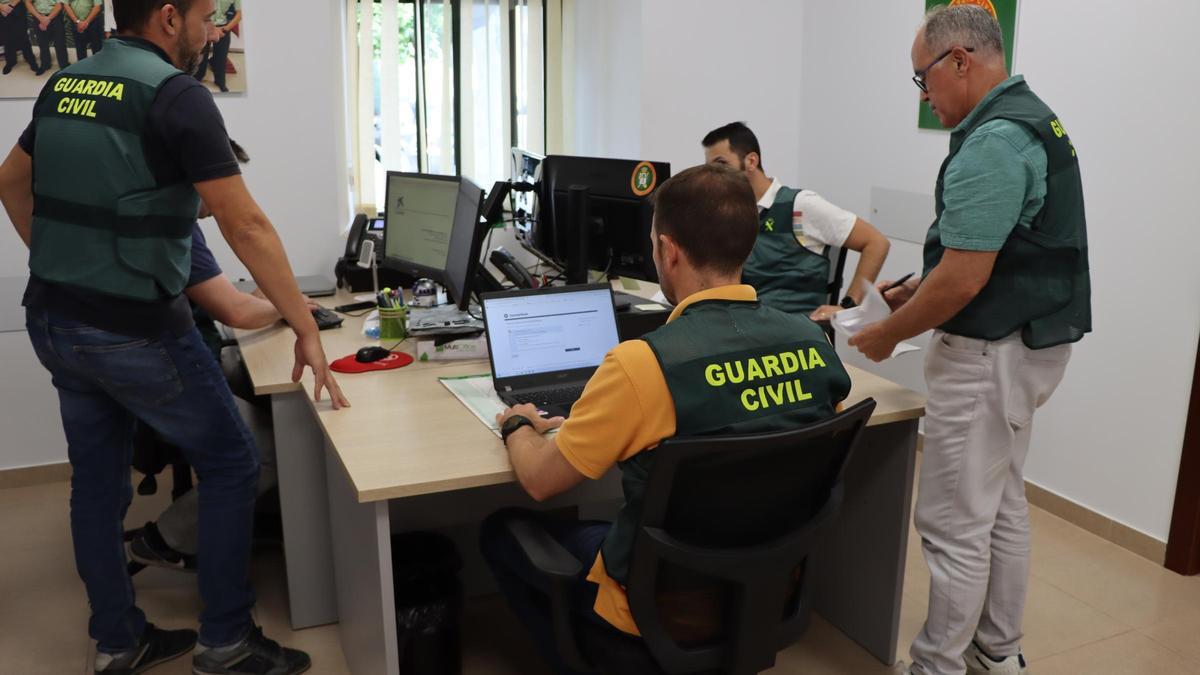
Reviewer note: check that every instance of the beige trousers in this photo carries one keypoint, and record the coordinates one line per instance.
(971, 511)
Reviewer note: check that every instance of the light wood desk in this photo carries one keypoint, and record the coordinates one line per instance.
(408, 442)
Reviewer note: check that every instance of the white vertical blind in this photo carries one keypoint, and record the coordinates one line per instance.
(560, 76)
(535, 131)
(465, 88)
(448, 85)
(354, 164)
(392, 149)
(364, 179)
(501, 141)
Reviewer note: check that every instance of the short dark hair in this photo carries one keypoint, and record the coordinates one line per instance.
(710, 212)
(741, 140)
(133, 14)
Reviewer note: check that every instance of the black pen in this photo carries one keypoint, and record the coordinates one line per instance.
(897, 283)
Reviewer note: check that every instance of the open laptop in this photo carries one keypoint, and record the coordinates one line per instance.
(545, 343)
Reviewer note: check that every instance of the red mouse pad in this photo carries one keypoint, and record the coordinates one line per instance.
(348, 364)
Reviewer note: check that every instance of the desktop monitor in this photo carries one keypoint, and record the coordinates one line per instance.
(618, 218)
(431, 228)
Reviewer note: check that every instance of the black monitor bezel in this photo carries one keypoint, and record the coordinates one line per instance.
(551, 191)
(520, 382)
(461, 297)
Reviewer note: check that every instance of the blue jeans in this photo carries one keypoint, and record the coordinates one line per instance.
(526, 588)
(105, 381)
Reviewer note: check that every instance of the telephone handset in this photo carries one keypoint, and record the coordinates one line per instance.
(363, 227)
(508, 265)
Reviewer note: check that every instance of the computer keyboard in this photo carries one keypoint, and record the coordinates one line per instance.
(326, 318)
(559, 395)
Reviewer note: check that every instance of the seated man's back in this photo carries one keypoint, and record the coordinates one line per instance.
(724, 363)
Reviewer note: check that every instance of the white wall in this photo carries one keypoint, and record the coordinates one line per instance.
(1110, 438)
(291, 121)
(608, 74)
(709, 62)
(652, 78)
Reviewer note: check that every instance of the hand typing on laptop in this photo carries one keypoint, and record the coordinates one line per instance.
(530, 412)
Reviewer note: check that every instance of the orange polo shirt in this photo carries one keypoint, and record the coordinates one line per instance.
(625, 408)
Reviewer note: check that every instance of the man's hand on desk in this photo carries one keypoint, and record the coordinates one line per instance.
(530, 412)
(309, 352)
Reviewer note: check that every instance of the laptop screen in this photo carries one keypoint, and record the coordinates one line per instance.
(547, 332)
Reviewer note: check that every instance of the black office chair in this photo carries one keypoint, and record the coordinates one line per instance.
(718, 579)
(837, 268)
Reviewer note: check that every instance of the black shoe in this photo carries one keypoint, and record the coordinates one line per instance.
(8, 68)
(148, 548)
(255, 655)
(156, 647)
(40, 71)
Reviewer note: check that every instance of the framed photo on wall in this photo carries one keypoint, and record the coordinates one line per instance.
(37, 42)
(1005, 12)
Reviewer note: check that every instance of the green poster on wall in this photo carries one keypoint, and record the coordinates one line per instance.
(1005, 12)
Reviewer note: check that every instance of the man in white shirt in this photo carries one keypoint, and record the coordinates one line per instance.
(790, 266)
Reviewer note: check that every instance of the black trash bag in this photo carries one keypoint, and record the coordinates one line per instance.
(429, 603)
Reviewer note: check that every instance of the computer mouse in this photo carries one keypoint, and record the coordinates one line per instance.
(371, 354)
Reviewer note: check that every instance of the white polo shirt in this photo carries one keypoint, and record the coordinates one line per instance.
(110, 19)
(817, 223)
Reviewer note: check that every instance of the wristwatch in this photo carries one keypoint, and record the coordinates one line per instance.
(848, 303)
(513, 423)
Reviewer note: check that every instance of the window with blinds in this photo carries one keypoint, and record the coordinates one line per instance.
(444, 86)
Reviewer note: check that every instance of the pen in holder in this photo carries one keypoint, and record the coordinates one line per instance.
(393, 323)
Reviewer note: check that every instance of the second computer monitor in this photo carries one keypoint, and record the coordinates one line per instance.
(430, 225)
(618, 218)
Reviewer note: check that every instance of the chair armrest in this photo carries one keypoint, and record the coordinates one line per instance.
(561, 569)
(543, 552)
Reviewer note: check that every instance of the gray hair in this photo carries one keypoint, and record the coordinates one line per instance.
(965, 26)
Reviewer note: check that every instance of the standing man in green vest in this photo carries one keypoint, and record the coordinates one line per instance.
(88, 25)
(693, 376)
(1006, 290)
(109, 259)
(790, 263)
(50, 29)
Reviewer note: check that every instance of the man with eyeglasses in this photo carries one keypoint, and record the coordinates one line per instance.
(1007, 290)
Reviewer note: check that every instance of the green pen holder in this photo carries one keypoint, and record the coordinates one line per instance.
(393, 323)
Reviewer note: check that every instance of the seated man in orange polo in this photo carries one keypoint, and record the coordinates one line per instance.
(723, 363)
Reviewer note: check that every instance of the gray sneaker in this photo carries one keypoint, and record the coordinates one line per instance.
(980, 662)
(254, 655)
(156, 647)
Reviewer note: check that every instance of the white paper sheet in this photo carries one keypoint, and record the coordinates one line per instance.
(872, 309)
(478, 394)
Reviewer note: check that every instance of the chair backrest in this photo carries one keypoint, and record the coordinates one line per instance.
(837, 269)
(718, 577)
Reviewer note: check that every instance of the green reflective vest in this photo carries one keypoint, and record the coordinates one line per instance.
(1040, 284)
(786, 275)
(732, 368)
(100, 219)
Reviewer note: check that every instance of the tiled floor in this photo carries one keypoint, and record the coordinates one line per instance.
(1093, 608)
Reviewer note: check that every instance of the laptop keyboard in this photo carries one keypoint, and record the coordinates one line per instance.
(559, 395)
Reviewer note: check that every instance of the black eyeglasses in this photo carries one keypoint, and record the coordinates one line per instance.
(919, 78)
